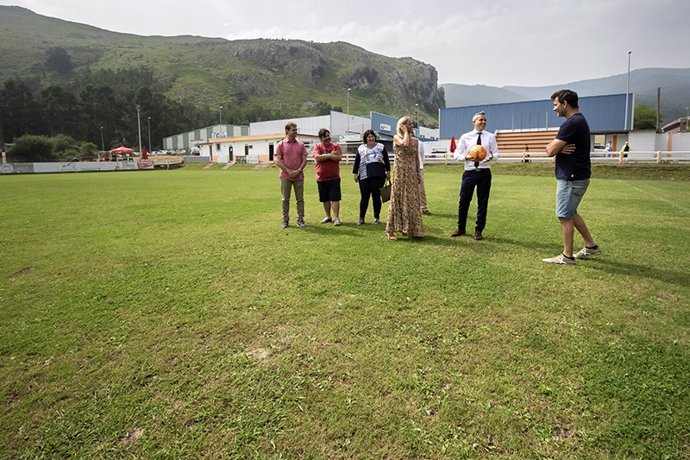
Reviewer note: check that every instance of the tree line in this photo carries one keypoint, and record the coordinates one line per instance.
(102, 115)
(105, 115)
(60, 108)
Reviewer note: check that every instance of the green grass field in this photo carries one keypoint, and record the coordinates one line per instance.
(164, 314)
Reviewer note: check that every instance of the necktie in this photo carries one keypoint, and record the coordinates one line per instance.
(479, 142)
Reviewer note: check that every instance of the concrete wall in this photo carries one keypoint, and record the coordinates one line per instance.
(681, 141)
(641, 141)
(649, 141)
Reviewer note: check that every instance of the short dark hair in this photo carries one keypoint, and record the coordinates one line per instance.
(566, 95)
(477, 115)
(366, 134)
(289, 126)
(322, 132)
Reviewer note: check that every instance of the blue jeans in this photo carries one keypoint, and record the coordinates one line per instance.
(569, 193)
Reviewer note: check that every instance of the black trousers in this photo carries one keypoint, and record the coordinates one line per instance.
(481, 179)
(369, 187)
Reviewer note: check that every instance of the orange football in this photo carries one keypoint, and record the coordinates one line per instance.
(477, 153)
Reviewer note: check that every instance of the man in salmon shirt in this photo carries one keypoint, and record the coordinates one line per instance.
(327, 156)
(291, 157)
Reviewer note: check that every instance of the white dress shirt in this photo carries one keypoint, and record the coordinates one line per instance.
(469, 140)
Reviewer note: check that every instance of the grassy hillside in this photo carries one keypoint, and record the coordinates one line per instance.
(209, 71)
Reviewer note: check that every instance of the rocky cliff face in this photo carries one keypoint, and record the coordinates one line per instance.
(404, 82)
(397, 83)
(293, 59)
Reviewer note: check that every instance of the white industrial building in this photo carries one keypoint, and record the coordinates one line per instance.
(187, 141)
(259, 148)
(256, 143)
(338, 123)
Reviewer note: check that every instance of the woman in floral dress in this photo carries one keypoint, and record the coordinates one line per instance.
(404, 212)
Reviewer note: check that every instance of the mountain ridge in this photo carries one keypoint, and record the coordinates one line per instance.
(293, 75)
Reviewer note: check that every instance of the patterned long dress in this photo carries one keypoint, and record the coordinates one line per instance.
(404, 212)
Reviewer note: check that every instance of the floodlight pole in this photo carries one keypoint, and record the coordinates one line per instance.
(416, 116)
(627, 95)
(348, 111)
(102, 143)
(621, 155)
(139, 125)
(149, 123)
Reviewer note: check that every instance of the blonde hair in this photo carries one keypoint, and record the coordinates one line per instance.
(401, 122)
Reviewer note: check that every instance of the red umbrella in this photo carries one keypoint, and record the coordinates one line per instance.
(122, 149)
(452, 145)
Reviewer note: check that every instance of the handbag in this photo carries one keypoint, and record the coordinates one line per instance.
(386, 191)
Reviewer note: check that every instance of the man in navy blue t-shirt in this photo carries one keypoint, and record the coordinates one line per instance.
(573, 169)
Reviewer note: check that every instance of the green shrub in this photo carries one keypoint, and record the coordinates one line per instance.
(70, 154)
(62, 143)
(88, 151)
(30, 148)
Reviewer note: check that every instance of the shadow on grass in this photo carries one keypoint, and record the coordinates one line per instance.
(446, 215)
(437, 236)
(378, 232)
(544, 249)
(616, 267)
(350, 229)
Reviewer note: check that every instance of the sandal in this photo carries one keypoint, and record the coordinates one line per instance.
(390, 236)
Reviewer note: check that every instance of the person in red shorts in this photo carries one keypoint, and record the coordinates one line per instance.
(327, 156)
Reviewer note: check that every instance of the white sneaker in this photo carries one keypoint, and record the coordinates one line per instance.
(326, 220)
(377, 222)
(560, 259)
(586, 252)
(336, 222)
(360, 222)
(300, 223)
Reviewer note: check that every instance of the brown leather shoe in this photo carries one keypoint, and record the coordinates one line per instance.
(457, 232)
(478, 235)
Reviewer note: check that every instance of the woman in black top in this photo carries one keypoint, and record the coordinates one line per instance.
(371, 169)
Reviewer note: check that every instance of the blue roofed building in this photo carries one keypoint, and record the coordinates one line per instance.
(532, 124)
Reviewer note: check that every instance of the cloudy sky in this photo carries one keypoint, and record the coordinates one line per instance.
(499, 42)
